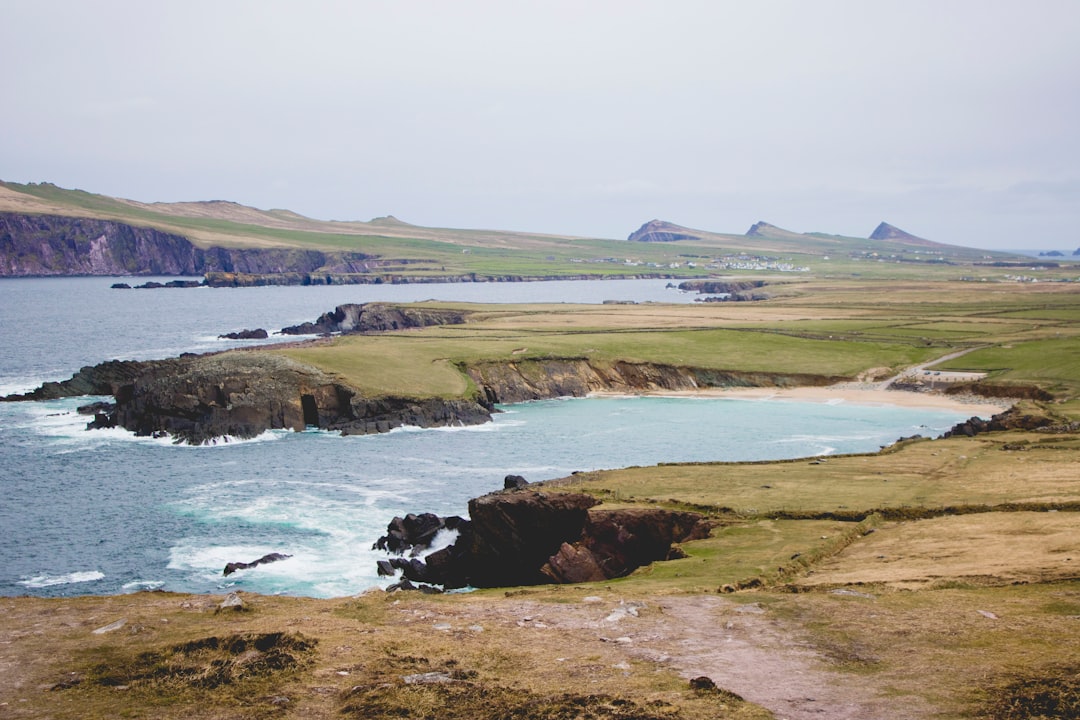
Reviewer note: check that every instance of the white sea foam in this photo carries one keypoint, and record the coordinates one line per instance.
(45, 580)
(139, 585)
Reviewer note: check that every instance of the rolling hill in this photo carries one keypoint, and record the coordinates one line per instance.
(234, 237)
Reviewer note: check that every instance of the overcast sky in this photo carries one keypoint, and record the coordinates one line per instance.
(957, 121)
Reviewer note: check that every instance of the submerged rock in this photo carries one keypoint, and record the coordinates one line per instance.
(232, 567)
(256, 334)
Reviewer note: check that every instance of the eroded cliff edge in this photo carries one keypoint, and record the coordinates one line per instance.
(241, 394)
(46, 245)
(523, 380)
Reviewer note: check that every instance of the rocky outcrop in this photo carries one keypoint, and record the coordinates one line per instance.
(376, 317)
(719, 287)
(256, 334)
(661, 231)
(35, 245)
(528, 538)
(523, 380)
(614, 543)
(102, 379)
(197, 399)
(514, 534)
(232, 567)
(1012, 419)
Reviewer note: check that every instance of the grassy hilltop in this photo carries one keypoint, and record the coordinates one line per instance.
(429, 252)
(935, 579)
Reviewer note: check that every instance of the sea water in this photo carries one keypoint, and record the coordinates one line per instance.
(102, 511)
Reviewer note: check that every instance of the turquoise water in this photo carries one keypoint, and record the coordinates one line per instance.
(105, 512)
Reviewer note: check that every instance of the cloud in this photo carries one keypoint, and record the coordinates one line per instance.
(561, 116)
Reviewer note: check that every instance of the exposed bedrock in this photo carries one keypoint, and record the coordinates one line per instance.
(532, 537)
(376, 317)
(520, 381)
(60, 245)
(1011, 419)
(713, 287)
(199, 398)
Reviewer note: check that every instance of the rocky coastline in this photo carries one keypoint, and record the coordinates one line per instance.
(527, 536)
(241, 394)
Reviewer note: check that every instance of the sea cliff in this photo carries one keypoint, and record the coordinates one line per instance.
(47, 245)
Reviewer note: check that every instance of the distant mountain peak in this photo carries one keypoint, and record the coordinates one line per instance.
(387, 220)
(762, 229)
(885, 231)
(662, 231)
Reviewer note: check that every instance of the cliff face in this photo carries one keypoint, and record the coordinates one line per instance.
(519, 381)
(525, 537)
(56, 245)
(243, 394)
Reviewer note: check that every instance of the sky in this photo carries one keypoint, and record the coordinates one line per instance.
(956, 120)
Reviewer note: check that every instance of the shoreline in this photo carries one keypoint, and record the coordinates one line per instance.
(853, 393)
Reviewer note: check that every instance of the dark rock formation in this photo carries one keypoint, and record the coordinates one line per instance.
(718, 287)
(514, 534)
(376, 317)
(102, 379)
(1076, 251)
(514, 482)
(232, 567)
(1052, 253)
(257, 334)
(199, 398)
(1011, 419)
(661, 231)
(620, 541)
(171, 284)
(415, 532)
(530, 538)
(745, 296)
(59, 245)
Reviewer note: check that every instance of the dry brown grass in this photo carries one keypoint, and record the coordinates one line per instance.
(375, 657)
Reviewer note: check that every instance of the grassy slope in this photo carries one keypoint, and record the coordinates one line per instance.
(938, 612)
(488, 252)
(817, 328)
(942, 530)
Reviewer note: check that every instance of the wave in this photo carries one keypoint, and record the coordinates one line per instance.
(139, 585)
(332, 568)
(45, 580)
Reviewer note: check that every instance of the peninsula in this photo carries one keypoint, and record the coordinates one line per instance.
(937, 577)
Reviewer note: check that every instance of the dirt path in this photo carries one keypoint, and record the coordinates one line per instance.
(743, 648)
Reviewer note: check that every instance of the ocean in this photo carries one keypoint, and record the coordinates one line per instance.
(94, 512)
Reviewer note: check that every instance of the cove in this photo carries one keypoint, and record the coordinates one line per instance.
(96, 512)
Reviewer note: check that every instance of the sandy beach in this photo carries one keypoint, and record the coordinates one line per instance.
(854, 393)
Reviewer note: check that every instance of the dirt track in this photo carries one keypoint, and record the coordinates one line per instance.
(742, 647)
